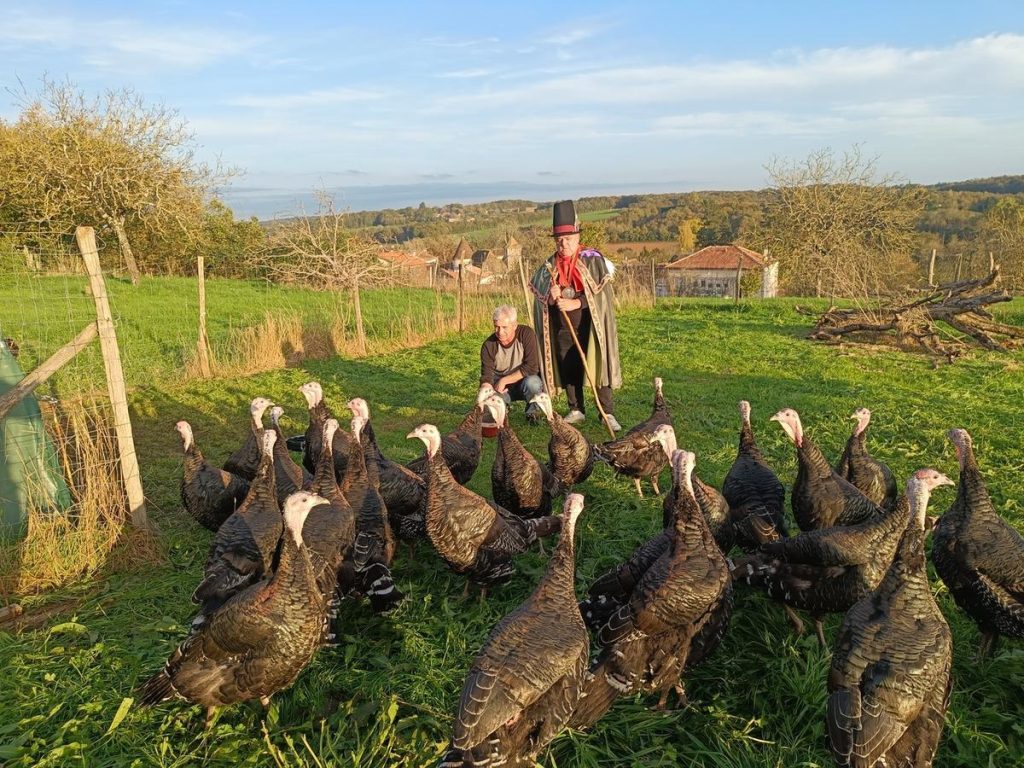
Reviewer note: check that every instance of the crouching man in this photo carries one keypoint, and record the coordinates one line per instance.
(510, 360)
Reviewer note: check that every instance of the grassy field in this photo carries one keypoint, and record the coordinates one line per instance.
(385, 696)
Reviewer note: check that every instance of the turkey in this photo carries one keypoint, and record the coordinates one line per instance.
(256, 643)
(519, 482)
(633, 454)
(712, 503)
(979, 555)
(246, 460)
(404, 492)
(290, 476)
(646, 644)
(821, 498)
(473, 536)
(209, 494)
(330, 528)
(461, 448)
(374, 546)
(243, 548)
(527, 677)
(890, 678)
(753, 491)
(319, 413)
(866, 473)
(570, 454)
(827, 570)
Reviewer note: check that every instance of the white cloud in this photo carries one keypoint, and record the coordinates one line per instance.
(447, 42)
(124, 45)
(465, 74)
(315, 98)
(966, 69)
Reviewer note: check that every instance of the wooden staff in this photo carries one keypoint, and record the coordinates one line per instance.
(583, 357)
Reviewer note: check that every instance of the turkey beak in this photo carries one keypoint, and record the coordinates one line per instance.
(412, 434)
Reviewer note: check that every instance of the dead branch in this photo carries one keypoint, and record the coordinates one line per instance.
(961, 305)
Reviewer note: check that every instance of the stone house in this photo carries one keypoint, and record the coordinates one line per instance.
(713, 271)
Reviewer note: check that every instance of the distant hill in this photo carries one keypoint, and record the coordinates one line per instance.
(997, 185)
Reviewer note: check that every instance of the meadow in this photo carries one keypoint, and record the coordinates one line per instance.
(386, 694)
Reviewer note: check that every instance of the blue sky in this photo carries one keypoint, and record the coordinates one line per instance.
(457, 100)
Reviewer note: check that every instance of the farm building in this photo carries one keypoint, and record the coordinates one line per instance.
(713, 271)
(408, 268)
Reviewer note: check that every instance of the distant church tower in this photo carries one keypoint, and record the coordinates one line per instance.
(513, 252)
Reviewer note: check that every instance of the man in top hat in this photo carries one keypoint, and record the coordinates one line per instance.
(579, 292)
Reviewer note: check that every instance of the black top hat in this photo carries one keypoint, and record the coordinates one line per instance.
(563, 219)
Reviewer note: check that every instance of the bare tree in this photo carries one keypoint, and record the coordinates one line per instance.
(319, 251)
(111, 161)
(837, 229)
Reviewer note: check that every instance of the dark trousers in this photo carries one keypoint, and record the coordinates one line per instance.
(570, 366)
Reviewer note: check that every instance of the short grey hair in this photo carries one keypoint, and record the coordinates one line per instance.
(505, 310)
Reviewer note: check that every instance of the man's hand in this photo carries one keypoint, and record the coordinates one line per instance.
(501, 386)
(568, 305)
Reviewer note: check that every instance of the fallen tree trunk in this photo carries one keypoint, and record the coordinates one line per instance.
(912, 321)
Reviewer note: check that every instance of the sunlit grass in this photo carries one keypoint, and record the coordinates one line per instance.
(385, 696)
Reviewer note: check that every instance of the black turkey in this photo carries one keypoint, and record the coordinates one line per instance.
(821, 498)
(527, 677)
(330, 529)
(209, 494)
(570, 454)
(319, 413)
(519, 483)
(646, 643)
(866, 473)
(753, 491)
(374, 547)
(979, 555)
(246, 460)
(633, 454)
(461, 447)
(890, 677)
(404, 492)
(257, 642)
(244, 545)
(712, 503)
(291, 478)
(827, 570)
(472, 535)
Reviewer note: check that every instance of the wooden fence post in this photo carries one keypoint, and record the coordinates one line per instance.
(654, 282)
(526, 287)
(931, 269)
(204, 343)
(86, 238)
(739, 277)
(14, 395)
(461, 299)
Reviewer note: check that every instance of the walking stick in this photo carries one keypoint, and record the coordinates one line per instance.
(583, 358)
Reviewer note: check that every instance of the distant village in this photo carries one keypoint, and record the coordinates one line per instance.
(725, 271)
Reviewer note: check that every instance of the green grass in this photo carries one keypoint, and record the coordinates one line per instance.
(157, 323)
(386, 695)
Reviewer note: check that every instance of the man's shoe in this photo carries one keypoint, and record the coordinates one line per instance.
(575, 417)
(614, 423)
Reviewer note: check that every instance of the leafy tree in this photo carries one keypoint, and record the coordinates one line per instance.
(836, 229)
(111, 161)
(688, 235)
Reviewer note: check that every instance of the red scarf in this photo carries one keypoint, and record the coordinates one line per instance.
(569, 271)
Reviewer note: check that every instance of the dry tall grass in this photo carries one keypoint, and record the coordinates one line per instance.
(64, 545)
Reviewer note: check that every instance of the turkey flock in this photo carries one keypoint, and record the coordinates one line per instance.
(294, 540)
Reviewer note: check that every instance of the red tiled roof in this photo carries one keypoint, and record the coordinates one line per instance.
(402, 259)
(720, 257)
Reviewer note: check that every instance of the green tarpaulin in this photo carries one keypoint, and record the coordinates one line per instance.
(29, 472)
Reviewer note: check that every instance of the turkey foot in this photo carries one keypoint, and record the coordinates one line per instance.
(794, 620)
(682, 700)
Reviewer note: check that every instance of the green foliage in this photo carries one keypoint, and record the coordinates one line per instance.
(386, 694)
